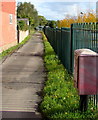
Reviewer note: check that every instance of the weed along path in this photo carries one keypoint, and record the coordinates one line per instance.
(22, 80)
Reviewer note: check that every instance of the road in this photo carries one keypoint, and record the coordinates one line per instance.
(23, 77)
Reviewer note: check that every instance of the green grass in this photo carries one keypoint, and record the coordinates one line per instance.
(60, 98)
(12, 49)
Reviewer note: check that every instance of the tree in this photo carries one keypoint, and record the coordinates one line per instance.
(52, 23)
(87, 17)
(42, 20)
(22, 25)
(27, 10)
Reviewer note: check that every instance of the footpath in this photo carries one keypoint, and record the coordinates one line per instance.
(23, 79)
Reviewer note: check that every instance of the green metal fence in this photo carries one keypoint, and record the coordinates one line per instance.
(84, 35)
(66, 48)
(66, 40)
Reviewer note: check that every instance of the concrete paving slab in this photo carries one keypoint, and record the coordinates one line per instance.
(23, 78)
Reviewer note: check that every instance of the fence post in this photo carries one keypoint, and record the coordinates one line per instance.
(83, 103)
(72, 52)
(18, 34)
(61, 47)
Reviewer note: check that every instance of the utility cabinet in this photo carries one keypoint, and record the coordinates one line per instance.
(86, 71)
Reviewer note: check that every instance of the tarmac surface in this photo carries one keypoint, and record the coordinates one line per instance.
(23, 77)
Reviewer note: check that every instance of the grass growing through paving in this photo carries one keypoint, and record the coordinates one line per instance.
(12, 49)
(60, 98)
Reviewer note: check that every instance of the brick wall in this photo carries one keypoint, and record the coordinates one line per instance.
(8, 30)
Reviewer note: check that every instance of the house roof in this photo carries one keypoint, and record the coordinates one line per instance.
(25, 19)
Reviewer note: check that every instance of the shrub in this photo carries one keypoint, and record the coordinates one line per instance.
(22, 25)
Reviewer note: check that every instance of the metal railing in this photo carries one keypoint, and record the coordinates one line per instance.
(65, 40)
(84, 35)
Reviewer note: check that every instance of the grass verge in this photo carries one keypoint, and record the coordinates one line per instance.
(60, 98)
(12, 49)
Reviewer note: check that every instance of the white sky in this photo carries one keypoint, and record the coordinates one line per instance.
(58, 9)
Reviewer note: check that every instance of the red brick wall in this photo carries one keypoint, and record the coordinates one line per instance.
(0, 24)
(8, 30)
(8, 7)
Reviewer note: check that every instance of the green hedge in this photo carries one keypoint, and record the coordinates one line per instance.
(22, 25)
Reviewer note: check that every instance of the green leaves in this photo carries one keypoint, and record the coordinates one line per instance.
(22, 25)
(52, 23)
(27, 10)
(42, 20)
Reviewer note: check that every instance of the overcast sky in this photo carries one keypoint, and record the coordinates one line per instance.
(58, 9)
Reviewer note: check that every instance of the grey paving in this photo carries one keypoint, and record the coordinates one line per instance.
(23, 78)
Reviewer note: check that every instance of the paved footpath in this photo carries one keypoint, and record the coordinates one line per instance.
(23, 78)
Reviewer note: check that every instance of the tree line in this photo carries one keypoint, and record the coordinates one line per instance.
(87, 17)
(27, 10)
